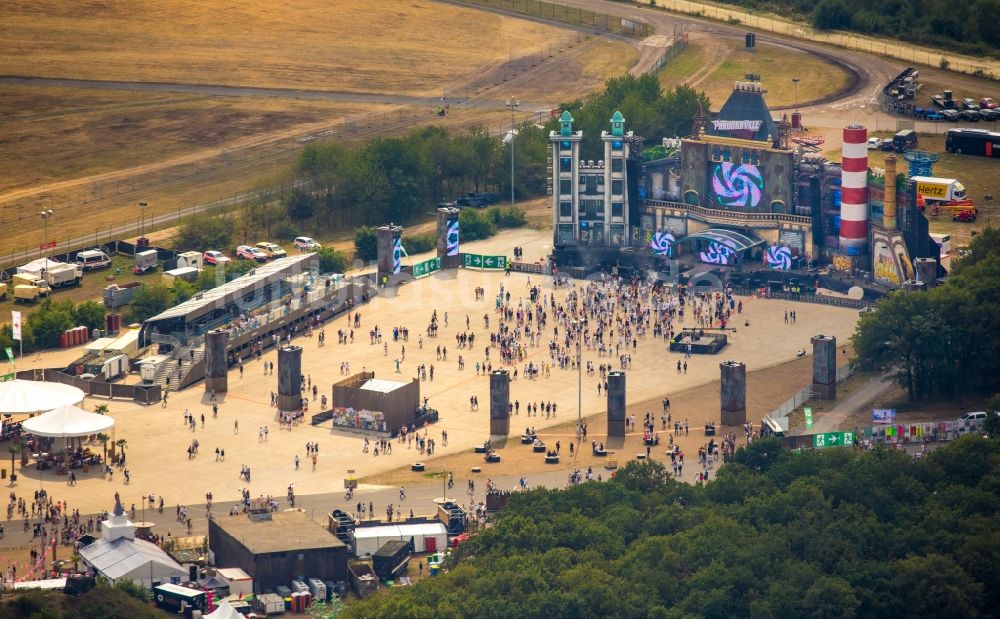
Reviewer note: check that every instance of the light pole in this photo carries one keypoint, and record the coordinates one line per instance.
(512, 104)
(45, 220)
(142, 219)
(795, 88)
(577, 330)
(989, 212)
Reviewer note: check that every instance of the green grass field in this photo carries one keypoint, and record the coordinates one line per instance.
(713, 66)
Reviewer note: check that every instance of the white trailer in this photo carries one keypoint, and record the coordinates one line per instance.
(64, 275)
(191, 259)
(188, 274)
(427, 537)
(146, 261)
(149, 366)
(126, 344)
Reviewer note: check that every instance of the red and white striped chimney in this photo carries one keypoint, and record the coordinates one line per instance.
(854, 189)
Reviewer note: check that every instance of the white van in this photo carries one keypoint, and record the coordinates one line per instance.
(93, 259)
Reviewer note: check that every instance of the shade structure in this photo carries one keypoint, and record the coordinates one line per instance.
(19, 397)
(224, 610)
(67, 422)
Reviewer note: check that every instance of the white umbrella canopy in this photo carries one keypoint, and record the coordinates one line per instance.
(28, 396)
(67, 422)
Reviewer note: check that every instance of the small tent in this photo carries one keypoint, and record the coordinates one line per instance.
(224, 610)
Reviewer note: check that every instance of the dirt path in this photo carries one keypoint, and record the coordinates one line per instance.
(875, 388)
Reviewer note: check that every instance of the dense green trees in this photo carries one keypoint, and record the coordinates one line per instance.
(648, 111)
(945, 340)
(42, 328)
(397, 179)
(829, 533)
(204, 232)
(968, 26)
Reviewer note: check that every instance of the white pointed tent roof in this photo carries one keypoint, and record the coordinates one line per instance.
(223, 610)
(67, 421)
(30, 396)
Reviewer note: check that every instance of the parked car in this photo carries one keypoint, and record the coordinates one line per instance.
(987, 114)
(250, 253)
(969, 104)
(875, 143)
(970, 115)
(934, 115)
(950, 115)
(977, 416)
(305, 243)
(216, 257)
(271, 250)
(987, 103)
(967, 217)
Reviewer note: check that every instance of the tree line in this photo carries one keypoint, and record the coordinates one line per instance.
(649, 111)
(778, 533)
(970, 27)
(943, 341)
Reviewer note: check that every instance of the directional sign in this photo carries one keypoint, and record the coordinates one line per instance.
(6, 377)
(833, 439)
(808, 412)
(480, 261)
(426, 267)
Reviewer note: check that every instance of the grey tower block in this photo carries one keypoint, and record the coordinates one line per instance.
(733, 393)
(290, 378)
(445, 214)
(616, 403)
(499, 404)
(216, 364)
(926, 271)
(825, 366)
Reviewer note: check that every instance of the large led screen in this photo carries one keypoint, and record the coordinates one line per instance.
(451, 242)
(737, 186)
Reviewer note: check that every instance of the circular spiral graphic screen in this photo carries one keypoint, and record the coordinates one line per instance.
(739, 186)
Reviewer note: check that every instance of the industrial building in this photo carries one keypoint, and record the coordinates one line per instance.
(275, 548)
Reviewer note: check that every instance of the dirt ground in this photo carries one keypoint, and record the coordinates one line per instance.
(157, 438)
(402, 47)
(767, 389)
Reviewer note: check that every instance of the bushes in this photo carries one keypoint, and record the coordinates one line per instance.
(365, 243)
(205, 232)
(475, 225)
(420, 243)
(507, 216)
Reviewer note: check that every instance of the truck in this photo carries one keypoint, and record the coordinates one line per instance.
(145, 261)
(64, 275)
(28, 287)
(935, 189)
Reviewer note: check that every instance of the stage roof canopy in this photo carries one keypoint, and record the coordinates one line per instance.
(66, 422)
(30, 396)
(737, 241)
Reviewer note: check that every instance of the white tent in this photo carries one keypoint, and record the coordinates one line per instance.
(223, 610)
(29, 396)
(427, 536)
(35, 267)
(67, 422)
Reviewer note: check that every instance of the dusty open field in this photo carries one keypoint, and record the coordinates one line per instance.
(411, 47)
(92, 154)
(52, 134)
(713, 64)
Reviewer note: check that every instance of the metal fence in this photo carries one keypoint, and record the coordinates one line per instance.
(676, 47)
(143, 394)
(804, 395)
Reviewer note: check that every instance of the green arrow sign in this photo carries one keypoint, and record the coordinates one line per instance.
(833, 439)
(808, 412)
